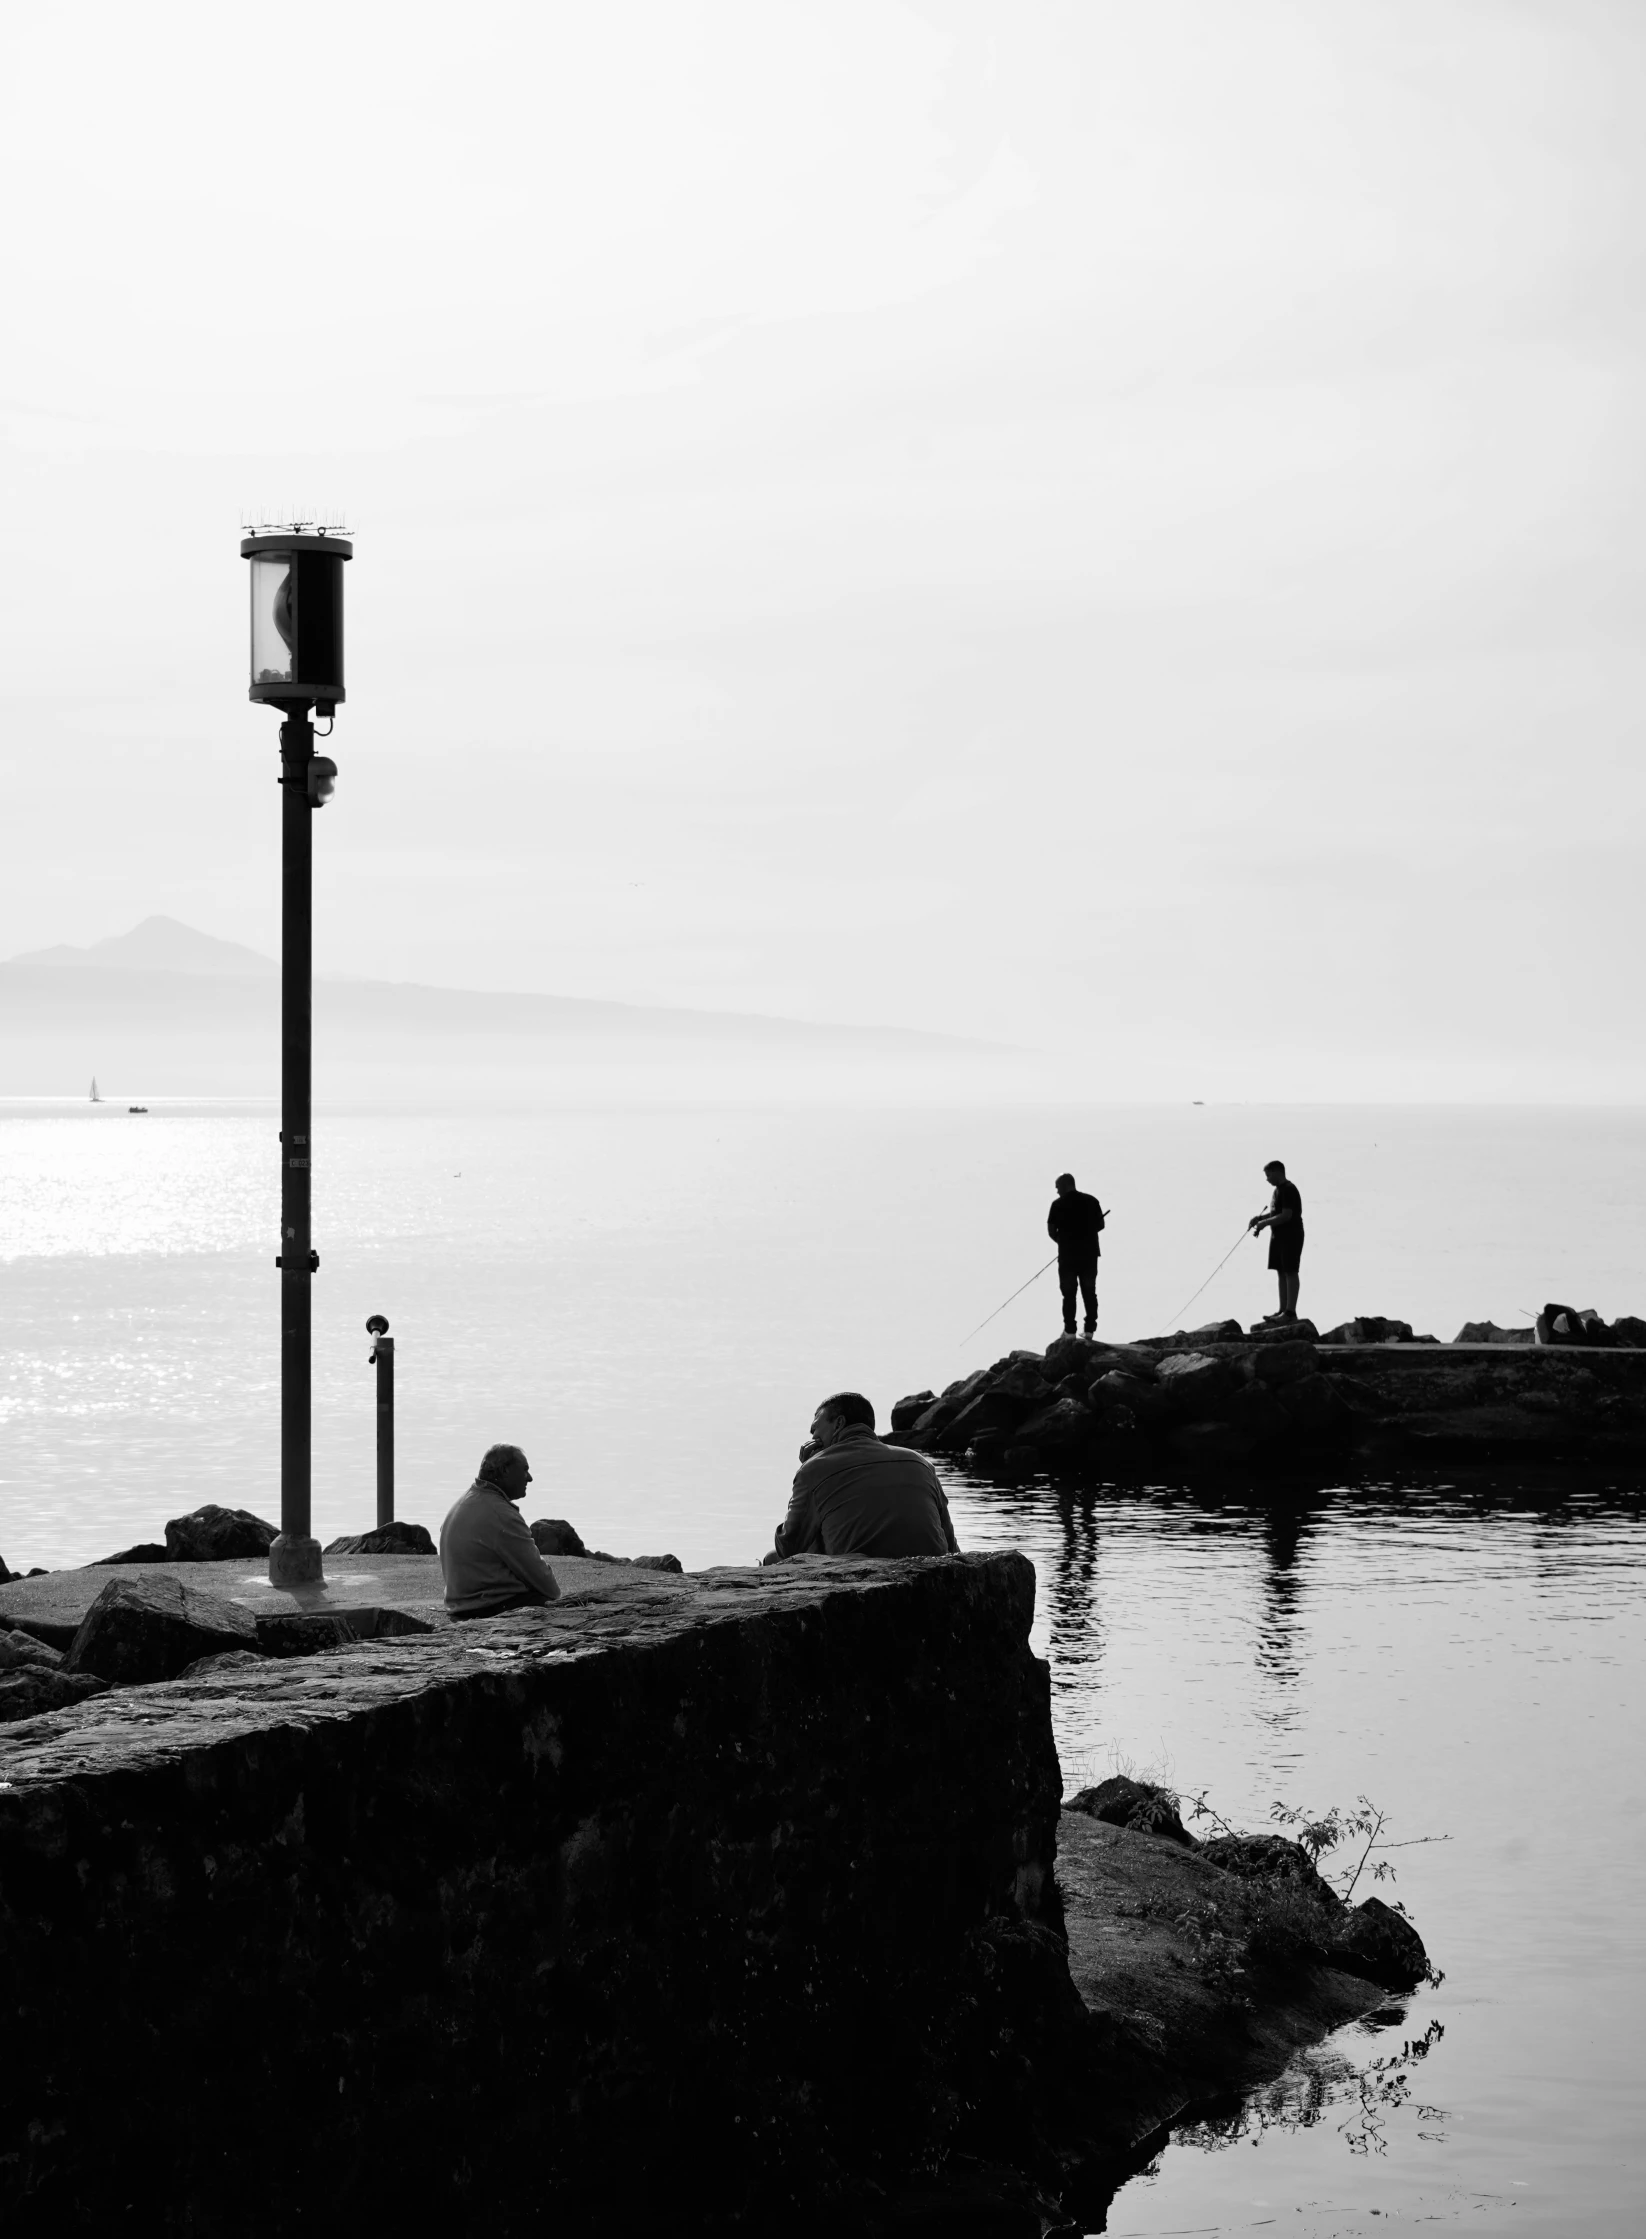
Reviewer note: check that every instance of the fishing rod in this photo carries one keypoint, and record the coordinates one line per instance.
(1215, 1273)
(1018, 1293)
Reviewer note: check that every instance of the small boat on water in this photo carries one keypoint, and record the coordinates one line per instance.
(96, 1099)
(136, 1107)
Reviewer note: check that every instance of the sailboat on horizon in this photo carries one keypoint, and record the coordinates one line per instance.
(96, 1099)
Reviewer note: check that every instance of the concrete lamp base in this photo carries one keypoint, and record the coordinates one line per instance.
(295, 1562)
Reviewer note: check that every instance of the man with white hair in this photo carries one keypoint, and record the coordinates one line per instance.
(488, 1558)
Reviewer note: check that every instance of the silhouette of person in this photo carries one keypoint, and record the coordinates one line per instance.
(1284, 1221)
(1073, 1225)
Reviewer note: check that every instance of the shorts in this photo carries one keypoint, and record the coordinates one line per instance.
(1285, 1252)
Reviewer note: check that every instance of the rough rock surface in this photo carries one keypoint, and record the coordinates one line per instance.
(384, 1539)
(1120, 1802)
(153, 1627)
(284, 1633)
(214, 1535)
(1270, 1396)
(146, 1551)
(725, 1901)
(1209, 1969)
(554, 1536)
(30, 1690)
(17, 1649)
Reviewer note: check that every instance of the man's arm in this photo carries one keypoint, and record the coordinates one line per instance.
(519, 1550)
(1054, 1227)
(798, 1533)
(943, 1512)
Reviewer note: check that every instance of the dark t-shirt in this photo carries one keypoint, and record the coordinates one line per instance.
(1073, 1224)
(1286, 1237)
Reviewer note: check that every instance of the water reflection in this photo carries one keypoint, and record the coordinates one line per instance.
(1466, 1646)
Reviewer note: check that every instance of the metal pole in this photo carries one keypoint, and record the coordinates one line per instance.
(382, 1353)
(294, 1558)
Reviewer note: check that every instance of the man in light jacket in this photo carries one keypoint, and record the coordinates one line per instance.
(488, 1558)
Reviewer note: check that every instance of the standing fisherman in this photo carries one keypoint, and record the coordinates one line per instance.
(1284, 1221)
(1073, 1225)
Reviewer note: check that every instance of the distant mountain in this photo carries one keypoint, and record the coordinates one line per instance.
(165, 987)
(159, 944)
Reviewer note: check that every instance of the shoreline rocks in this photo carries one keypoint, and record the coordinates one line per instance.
(1280, 1394)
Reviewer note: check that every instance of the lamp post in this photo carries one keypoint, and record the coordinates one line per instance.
(296, 664)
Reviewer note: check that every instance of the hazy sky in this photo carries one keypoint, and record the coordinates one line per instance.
(1115, 521)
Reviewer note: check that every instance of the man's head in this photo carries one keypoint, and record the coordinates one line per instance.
(1276, 1170)
(839, 1414)
(506, 1468)
(1064, 1184)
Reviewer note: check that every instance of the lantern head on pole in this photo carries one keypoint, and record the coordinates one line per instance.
(297, 614)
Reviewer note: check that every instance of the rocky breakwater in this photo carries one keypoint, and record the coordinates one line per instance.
(724, 1901)
(1281, 1397)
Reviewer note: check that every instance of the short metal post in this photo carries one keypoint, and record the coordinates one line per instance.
(382, 1353)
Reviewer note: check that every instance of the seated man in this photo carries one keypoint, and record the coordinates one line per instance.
(855, 1495)
(487, 1556)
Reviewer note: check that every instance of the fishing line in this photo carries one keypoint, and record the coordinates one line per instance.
(1018, 1293)
(1005, 1302)
(1212, 1277)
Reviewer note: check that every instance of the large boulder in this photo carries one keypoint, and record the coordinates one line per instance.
(943, 1410)
(670, 1563)
(1197, 1385)
(291, 1632)
(907, 1412)
(1137, 1804)
(32, 1690)
(218, 1535)
(1022, 1380)
(1374, 1940)
(151, 1626)
(989, 1410)
(1284, 1333)
(19, 1649)
(1119, 1394)
(146, 1551)
(1369, 1329)
(1488, 1333)
(384, 1539)
(1269, 1858)
(1318, 1413)
(1209, 1333)
(554, 1536)
(1572, 1325)
(1072, 1356)
(1283, 1363)
(231, 1660)
(1059, 1430)
(1629, 1329)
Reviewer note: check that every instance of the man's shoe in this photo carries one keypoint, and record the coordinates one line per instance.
(1090, 1330)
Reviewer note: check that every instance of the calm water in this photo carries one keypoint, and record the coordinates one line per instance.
(651, 1302)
